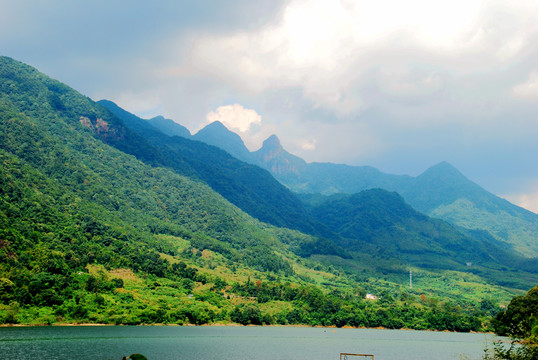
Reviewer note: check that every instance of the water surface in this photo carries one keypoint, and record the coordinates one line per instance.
(234, 343)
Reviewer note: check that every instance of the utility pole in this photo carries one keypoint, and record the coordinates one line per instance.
(410, 279)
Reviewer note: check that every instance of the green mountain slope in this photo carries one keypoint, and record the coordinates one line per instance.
(92, 233)
(382, 222)
(249, 187)
(104, 184)
(441, 191)
(70, 204)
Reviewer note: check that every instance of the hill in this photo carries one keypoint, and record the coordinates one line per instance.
(169, 127)
(427, 243)
(93, 228)
(441, 192)
(378, 221)
(249, 187)
(444, 192)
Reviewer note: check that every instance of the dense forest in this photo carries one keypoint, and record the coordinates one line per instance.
(95, 227)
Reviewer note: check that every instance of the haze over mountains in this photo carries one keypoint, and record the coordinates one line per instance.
(441, 191)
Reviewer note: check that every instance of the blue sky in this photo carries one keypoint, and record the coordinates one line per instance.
(396, 85)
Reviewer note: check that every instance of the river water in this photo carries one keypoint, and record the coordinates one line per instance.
(234, 343)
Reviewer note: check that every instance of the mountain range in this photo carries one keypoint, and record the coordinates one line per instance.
(388, 235)
(441, 191)
(89, 191)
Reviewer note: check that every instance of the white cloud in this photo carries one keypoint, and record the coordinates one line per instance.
(327, 48)
(529, 89)
(351, 56)
(387, 83)
(308, 144)
(235, 116)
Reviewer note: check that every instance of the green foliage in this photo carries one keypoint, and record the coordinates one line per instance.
(516, 351)
(520, 322)
(380, 222)
(520, 317)
(90, 234)
(246, 315)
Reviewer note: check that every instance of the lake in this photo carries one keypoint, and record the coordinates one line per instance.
(234, 343)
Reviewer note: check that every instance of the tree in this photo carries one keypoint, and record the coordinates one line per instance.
(520, 316)
(520, 322)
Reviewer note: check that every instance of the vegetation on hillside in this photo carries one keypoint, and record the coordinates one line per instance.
(380, 222)
(520, 322)
(441, 192)
(249, 187)
(91, 233)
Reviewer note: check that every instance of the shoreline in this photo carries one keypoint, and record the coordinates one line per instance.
(332, 327)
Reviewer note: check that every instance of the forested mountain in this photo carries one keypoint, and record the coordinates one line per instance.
(379, 221)
(169, 127)
(410, 237)
(249, 187)
(441, 192)
(62, 185)
(101, 224)
(71, 205)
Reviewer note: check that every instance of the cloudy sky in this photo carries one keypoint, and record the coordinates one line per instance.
(399, 85)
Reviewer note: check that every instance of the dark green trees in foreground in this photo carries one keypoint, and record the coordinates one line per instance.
(520, 322)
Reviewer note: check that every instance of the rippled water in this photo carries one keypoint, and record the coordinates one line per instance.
(237, 343)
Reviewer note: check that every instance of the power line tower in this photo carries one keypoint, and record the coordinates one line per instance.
(410, 279)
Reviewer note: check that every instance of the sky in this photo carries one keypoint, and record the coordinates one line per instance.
(398, 85)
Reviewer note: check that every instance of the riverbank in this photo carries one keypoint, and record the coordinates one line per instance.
(331, 327)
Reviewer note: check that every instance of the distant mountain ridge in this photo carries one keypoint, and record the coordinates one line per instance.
(372, 231)
(273, 157)
(249, 187)
(255, 193)
(410, 234)
(441, 191)
(169, 127)
(217, 134)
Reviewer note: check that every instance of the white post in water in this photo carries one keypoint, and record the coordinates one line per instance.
(410, 279)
